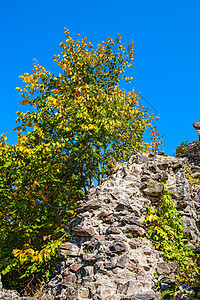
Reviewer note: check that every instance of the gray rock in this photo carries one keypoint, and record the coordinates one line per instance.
(198, 132)
(68, 249)
(140, 159)
(145, 178)
(89, 258)
(154, 189)
(122, 261)
(163, 165)
(113, 230)
(196, 175)
(89, 205)
(68, 278)
(118, 247)
(164, 176)
(163, 268)
(93, 244)
(195, 169)
(135, 243)
(153, 168)
(131, 219)
(109, 265)
(196, 125)
(177, 165)
(134, 230)
(9, 295)
(143, 296)
(86, 271)
(83, 231)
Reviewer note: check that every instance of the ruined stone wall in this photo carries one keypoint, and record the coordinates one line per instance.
(191, 152)
(110, 256)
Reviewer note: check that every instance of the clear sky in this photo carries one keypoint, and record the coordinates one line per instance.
(167, 52)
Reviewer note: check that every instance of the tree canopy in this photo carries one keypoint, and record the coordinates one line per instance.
(79, 123)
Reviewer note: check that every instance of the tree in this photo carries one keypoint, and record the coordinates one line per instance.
(80, 123)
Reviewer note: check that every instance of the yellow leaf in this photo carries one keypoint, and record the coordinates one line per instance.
(15, 252)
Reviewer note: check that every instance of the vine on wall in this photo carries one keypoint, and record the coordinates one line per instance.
(165, 230)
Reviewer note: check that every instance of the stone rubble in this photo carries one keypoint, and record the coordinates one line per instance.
(109, 256)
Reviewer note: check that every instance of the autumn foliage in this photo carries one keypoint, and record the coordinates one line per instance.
(79, 123)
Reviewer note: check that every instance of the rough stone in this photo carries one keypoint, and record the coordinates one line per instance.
(163, 268)
(68, 278)
(75, 267)
(143, 296)
(89, 205)
(134, 230)
(89, 258)
(113, 230)
(196, 175)
(196, 125)
(154, 189)
(68, 249)
(118, 247)
(84, 231)
(109, 265)
(195, 169)
(131, 219)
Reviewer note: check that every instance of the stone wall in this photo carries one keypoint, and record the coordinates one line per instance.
(110, 256)
(191, 152)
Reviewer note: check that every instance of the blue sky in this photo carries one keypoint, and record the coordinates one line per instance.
(167, 52)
